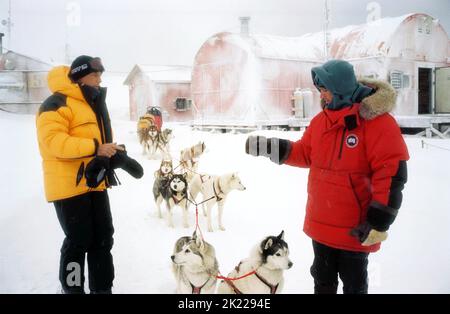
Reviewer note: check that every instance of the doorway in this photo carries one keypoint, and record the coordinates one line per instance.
(442, 90)
(425, 89)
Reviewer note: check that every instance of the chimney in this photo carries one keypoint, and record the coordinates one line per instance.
(244, 25)
(1, 43)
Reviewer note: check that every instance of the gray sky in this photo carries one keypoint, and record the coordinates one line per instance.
(124, 33)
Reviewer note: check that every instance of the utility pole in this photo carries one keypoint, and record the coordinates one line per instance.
(8, 25)
(73, 20)
(326, 32)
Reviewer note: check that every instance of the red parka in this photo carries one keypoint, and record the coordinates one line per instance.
(353, 155)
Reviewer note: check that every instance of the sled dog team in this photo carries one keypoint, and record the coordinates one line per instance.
(194, 262)
(181, 189)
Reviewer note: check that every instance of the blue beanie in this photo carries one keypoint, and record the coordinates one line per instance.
(339, 78)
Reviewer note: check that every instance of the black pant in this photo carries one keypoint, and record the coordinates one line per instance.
(329, 262)
(87, 223)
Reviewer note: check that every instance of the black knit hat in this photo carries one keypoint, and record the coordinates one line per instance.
(84, 65)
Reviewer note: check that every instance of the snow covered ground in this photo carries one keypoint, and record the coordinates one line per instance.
(415, 258)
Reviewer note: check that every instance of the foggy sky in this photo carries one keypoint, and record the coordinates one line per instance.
(124, 33)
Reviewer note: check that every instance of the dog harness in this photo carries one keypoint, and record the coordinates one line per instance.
(197, 290)
(220, 191)
(177, 200)
(163, 143)
(273, 288)
(185, 165)
(203, 176)
(233, 287)
(164, 140)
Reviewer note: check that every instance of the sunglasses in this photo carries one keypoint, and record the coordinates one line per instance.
(97, 65)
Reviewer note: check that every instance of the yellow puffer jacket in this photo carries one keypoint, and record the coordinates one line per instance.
(66, 129)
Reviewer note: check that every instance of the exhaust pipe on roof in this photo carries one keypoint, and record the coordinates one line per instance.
(244, 25)
(1, 43)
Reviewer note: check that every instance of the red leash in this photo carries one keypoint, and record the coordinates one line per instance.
(181, 162)
(236, 278)
(197, 227)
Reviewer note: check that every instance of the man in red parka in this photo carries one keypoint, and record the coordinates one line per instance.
(357, 159)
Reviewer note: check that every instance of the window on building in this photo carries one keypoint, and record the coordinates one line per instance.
(396, 79)
(183, 104)
(425, 25)
(420, 27)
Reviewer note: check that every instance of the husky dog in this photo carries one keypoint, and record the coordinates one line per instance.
(162, 177)
(176, 194)
(163, 141)
(269, 259)
(194, 265)
(153, 140)
(189, 159)
(216, 189)
(143, 129)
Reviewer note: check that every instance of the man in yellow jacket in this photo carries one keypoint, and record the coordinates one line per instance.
(73, 127)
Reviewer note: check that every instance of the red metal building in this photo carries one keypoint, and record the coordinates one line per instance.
(167, 87)
(244, 79)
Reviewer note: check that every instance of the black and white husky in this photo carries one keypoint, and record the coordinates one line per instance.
(162, 177)
(269, 259)
(176, 194)
(194, 265)
(214, 190)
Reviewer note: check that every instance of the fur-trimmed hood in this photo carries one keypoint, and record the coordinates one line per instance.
(382, 101)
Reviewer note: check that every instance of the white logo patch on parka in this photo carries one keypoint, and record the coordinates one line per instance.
(351, 141)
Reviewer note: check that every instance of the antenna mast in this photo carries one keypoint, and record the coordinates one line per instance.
(326, 30)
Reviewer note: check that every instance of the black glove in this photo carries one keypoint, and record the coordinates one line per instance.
(125, 162)
(100, 167)
(276, 149)
(381, 216)
(96, 170)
